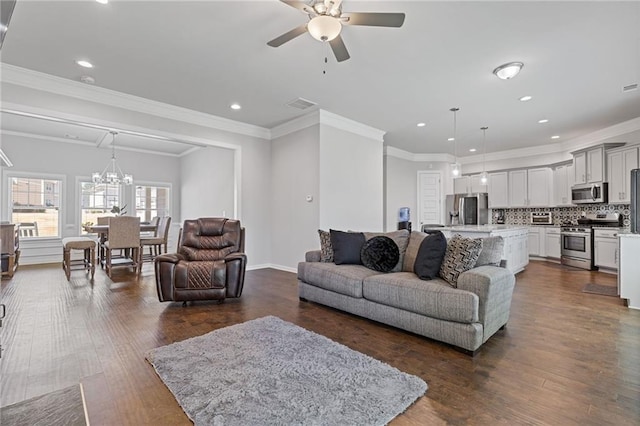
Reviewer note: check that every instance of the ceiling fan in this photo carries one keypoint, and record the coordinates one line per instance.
(326, 20)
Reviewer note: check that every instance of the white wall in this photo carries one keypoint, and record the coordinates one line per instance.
(401, 187)
(351, 180)
(295, 221)
(207, 183)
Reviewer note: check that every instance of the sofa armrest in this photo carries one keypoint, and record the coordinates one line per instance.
(494, 287)
(312, 256)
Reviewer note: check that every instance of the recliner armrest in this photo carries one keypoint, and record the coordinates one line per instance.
(170, 258)
(235, 256)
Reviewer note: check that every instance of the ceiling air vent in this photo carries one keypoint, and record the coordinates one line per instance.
(630, 87)
(301, 103)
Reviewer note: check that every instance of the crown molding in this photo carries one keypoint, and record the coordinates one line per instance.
(62, 86)
(346, 124)
(409, 156)
(602, 135)
(321, 116)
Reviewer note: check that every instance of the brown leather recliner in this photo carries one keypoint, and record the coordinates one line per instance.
(210, 263)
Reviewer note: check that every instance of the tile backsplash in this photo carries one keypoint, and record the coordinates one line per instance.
(522, 216)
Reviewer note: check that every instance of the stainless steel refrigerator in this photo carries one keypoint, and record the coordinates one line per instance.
(469, 209)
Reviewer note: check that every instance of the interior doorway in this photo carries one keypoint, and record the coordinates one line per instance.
(429, 198)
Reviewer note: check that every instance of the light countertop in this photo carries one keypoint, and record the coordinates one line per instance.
(483, 228)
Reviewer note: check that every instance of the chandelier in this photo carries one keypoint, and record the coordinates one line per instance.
(112, 174)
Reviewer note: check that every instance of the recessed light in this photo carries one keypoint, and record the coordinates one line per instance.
(555, 137)
(526, 98)
(235, 106)
(544, 120)
(472, 150)
(509, 70)
(85, 64)
(421, 124)
(103, 1)
(451, 139)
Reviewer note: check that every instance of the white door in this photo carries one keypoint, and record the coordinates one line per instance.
(429, 199)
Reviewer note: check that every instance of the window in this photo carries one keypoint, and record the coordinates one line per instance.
(99, 200)
(35, 205)
(152, 201)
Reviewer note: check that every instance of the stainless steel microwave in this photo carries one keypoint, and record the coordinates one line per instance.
(589, 193)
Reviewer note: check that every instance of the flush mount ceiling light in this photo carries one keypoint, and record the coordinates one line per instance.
(508, 71)
(455, 167)
(235, 106)
(112, 174)
(526, 98)
(85, 64)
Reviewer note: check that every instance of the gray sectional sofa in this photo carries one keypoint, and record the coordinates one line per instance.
(464, 316)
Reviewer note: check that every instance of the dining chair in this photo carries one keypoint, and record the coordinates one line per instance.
(124, 235)
(156, 242)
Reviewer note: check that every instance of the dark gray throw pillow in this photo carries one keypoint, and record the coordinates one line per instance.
(346, 247)
(380, 254)
(430, 255)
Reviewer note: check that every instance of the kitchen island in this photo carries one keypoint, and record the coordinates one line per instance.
(516, 240)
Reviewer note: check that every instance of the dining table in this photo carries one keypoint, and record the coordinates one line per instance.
(103, 234)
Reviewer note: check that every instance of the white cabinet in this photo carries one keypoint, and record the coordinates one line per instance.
(498, 190)
(461, 185)
(628, 282)
(516, 248)
(619, 166)
(530, 188)
(589, 165)
(537, 241)
(518, 188)
(605, 247)
(563, 180)
(468, 185)
(552, 242)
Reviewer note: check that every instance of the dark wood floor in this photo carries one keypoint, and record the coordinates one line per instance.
(566, 357)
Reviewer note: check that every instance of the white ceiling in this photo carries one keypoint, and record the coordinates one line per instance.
(205, 55)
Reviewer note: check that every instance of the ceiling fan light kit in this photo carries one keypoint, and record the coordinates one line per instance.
(326, 20)
(508, 71)
(324, 28)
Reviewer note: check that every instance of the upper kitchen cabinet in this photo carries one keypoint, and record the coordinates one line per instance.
(498, 190)
(620, 162)
(468, 185)
(562, 182)
(589, 164)
(530, 188)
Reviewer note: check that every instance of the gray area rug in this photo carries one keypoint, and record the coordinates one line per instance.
(268, 371)
(64, 407)
(604, 290)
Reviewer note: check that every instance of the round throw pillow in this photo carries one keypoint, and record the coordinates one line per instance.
(380, 254)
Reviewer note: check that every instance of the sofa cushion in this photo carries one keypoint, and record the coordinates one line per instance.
(415, 239)
(380, 254)
(346, 247)
(343, 279)
(430, 256)
(326, 250)
(491, 254)
(435, 298)
(461, 255)
(400, 237)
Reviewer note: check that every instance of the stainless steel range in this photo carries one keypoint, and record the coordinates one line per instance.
(577, 239)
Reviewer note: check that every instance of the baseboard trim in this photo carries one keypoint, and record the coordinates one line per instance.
(272, 266)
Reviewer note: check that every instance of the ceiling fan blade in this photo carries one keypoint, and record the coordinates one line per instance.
(299, 5)
(374, 19)
(339, 49)
(290, 35)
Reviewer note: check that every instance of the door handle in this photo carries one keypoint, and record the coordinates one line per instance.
(593, 192)
(3, 313)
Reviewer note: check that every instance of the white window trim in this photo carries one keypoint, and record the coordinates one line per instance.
(62, 208)
(78, 200)
(156, 184)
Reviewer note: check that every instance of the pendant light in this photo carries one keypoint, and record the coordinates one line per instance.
(455, 167)
(483, 176)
